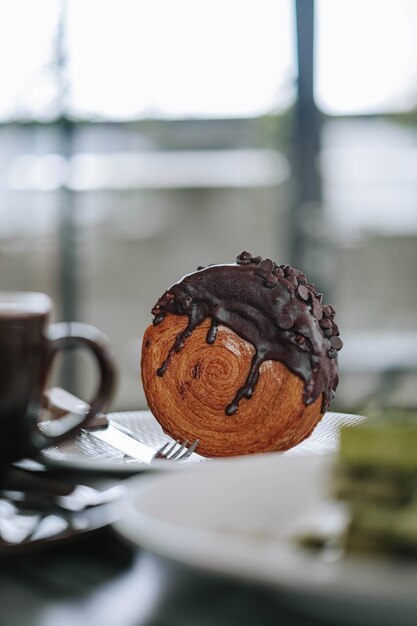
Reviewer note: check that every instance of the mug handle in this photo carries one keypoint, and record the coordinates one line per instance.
(69, 335)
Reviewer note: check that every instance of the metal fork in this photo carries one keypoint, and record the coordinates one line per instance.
(176, 451)
(170, 452)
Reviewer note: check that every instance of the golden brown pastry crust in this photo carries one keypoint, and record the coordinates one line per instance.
(189, 400)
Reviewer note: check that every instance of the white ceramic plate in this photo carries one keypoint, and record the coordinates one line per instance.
(87, 453)
(238, 517)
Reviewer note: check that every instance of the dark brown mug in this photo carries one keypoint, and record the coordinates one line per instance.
(27, 349)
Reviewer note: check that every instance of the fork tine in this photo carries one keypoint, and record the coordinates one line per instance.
(171, 449)
(190, 450)
(177, 454)
(171, 452)
(162, 451)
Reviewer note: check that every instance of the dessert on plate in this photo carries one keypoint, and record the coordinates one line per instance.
(241, 356)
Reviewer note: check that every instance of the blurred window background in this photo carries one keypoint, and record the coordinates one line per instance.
(139, 140)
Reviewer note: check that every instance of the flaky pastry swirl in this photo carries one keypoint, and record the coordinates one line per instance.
(190, 399)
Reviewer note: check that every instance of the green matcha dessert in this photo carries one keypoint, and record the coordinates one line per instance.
(376, 475)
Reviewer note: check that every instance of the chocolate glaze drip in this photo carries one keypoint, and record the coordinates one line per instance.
(271, 306)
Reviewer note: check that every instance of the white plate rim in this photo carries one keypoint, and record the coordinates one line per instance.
(187, 546)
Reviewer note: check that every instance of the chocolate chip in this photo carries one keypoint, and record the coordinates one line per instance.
(302, 280)
(293, 280)
(311, 292)
(336, 342)
(271, 281)
(244, 258)
(332, 353)
(285, 321)
(303, 292)
(256, 260)
(278, 272)
(335, 328)
(286, 269)
(327, 332)
(319, 297)
(326, 323)
(317, 310)
(332, 309)
(266, 265)
(200, 267)
(326, 310)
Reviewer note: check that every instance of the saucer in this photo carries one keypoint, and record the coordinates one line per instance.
(87, 453)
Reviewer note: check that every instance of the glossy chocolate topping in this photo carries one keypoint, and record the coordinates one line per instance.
(271, 306)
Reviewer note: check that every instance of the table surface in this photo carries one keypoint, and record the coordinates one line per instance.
(97, 579)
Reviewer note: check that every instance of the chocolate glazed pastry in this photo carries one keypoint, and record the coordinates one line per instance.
(242, 357)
